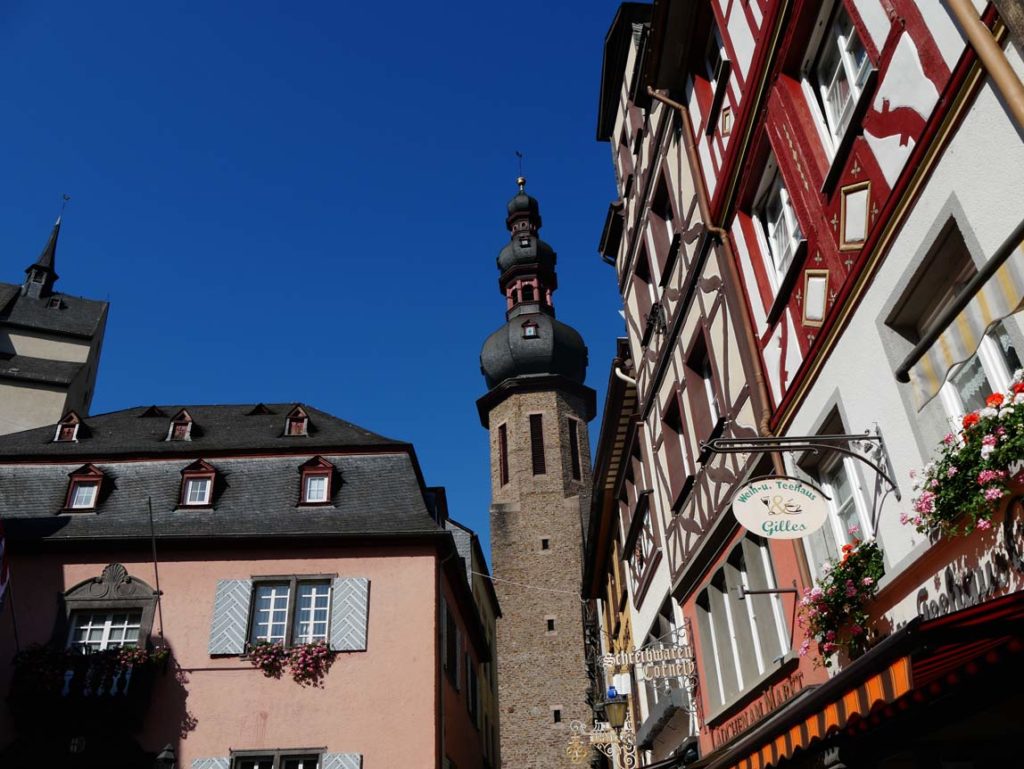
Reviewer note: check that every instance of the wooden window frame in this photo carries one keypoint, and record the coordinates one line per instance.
(317, 467)
(277, 756)
(180, 428)
(296, 423)
(197, 471)
(293, 582)
(70, 422)
(86, 475)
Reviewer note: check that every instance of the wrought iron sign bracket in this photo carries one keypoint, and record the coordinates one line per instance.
(868, 447)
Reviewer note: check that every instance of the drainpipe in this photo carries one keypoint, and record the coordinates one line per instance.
(992, 58)
(704, 204)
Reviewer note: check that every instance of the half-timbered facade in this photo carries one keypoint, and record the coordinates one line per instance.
(693, 367)
(860, 161)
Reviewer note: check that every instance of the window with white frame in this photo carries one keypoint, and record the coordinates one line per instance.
(316, 488)
(291, 612)
(197, 491)
(95, 631)
(83, 495)
(276, 760)
(780, 228)
(849, 516)
(746, 634)
(836, 71)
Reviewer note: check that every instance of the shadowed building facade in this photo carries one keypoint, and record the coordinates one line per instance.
(536, 410)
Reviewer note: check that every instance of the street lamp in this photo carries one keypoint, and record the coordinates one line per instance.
(615, 709)
(165, 758)
(614, 737)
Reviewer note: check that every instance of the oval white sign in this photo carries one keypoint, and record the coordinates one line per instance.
(780, 507)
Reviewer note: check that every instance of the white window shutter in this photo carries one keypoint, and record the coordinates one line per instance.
(341, 761)
(230, 616)
(211, 763)
(349, 613)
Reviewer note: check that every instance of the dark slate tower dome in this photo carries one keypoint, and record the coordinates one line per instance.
(532, 346)
(552, 347)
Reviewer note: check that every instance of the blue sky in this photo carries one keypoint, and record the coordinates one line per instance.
(303, 201)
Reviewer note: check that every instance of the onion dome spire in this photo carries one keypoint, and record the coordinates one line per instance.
(531, 343)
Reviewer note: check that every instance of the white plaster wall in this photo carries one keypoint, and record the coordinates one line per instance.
(23, 407)
(42, 346)
(979, 177)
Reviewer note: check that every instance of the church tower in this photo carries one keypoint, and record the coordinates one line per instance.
(536, 410)
(49, 348)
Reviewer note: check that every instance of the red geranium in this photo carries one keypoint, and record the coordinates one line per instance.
(970, 420)
(994, 401)
(1018, 387)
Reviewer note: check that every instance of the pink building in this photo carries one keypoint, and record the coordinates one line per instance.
(210, 531)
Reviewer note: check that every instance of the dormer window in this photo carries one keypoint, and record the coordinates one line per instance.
(181, 427)
(197, 484)
(67, 428)
(529, 330)
(317, 476)
(298, 422)
(84, 488)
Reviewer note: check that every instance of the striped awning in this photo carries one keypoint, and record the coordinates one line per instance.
(1000, 295)
(887, 686)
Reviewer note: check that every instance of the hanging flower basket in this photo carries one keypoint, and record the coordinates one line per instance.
(962, 488)
(269, 658)
(308, 663)
(833, 614)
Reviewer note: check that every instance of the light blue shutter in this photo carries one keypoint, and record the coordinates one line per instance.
(211, 763)
(342, 761)
(349, 608)
(230, 617)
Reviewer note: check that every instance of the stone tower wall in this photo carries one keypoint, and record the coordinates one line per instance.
(538, 670)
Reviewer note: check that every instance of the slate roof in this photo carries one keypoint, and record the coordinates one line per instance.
(75, 317)
(377, 489)
(219, 429)
(379, 494)
(42, 370)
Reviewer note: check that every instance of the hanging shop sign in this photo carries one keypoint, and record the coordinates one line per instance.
(655, 663)
(780, 507)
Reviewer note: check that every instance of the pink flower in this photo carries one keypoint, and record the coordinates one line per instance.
(805, 647)
(986, 476)
(993, 493)
(949, 439)
(984, 524)
(951, 471)
(828, 648)
(830, 635)
(854, 530)
(925, 503)
(989, 440)
(867, 581)
(851, 591)
(856, 630)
